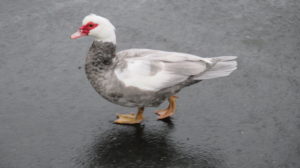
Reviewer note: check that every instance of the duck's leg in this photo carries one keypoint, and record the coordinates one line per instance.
(168, 111)
(130, 118)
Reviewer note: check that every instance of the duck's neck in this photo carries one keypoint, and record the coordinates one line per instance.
(101, 55)
(111, 38)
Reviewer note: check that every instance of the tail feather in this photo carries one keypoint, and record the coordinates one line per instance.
(223, 66)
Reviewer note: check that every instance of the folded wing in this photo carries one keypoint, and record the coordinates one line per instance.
(154, 70)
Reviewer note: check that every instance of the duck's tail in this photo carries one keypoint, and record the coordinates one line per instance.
(222, 66)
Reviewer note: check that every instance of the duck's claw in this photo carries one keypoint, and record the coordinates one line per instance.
(168, 112)
(164, 114)
(130, 118)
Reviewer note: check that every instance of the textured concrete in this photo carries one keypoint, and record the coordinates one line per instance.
(50, 116)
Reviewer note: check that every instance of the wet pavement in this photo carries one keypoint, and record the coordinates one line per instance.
(50, 116)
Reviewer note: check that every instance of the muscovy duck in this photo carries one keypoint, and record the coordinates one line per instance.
(142, 77)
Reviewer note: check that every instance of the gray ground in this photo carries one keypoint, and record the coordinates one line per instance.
(50, 116)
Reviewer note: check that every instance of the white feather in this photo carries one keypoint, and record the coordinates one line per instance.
(154, 70)
(138, 74)
(224, 66)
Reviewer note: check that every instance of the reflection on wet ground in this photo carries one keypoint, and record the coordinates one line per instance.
(138, 146)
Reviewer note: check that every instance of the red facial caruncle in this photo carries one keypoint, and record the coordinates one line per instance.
(84, 30)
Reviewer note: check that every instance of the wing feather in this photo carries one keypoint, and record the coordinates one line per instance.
(154, 70)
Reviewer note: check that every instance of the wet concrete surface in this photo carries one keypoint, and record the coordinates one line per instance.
(50, 116)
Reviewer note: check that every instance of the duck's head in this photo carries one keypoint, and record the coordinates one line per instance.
(97, 27)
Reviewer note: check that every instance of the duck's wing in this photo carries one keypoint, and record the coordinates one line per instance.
(154, 70)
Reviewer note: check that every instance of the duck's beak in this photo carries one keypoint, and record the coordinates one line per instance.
(78, 34)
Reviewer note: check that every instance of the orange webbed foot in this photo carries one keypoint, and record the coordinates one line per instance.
(168, 112)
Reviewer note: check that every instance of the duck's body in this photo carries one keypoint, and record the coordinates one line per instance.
(101, 63)
(142, 77)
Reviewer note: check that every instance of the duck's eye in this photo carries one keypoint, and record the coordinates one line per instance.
(91, 25)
